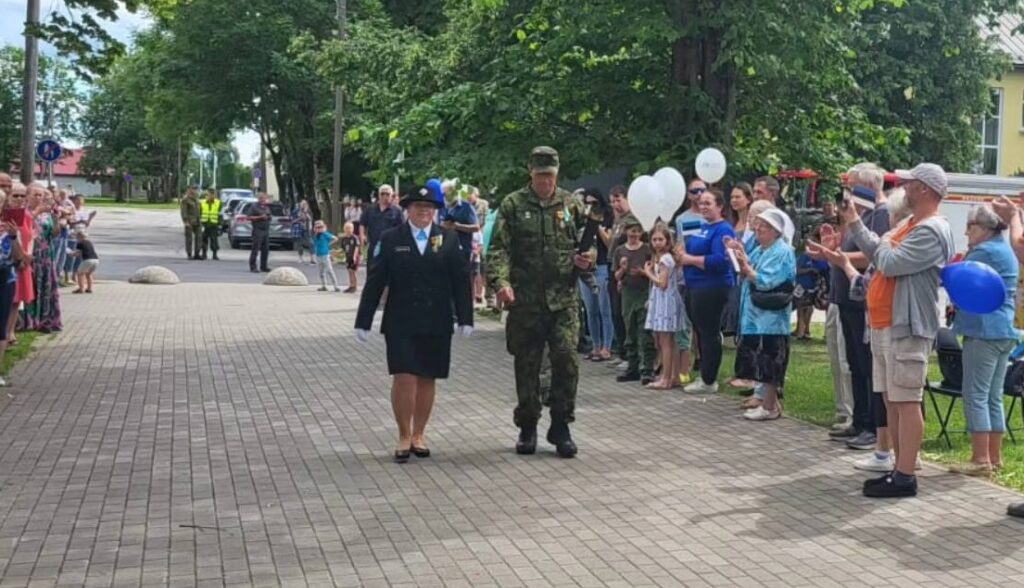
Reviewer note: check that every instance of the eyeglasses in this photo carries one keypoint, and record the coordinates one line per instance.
(696, 191)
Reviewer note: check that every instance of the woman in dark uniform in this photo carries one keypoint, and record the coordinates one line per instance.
(425, 274)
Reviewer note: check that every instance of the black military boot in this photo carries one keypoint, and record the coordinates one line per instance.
(559, 436)
(527, 443)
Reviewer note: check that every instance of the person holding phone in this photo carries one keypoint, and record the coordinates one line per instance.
(259, 215)
(867, 179)
(11, 254)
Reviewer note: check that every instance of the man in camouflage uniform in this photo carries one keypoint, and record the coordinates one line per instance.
(530, 266)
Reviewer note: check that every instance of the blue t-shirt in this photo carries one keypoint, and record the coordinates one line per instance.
(809, 281)
(322, 243)
(462, 213)
(710, 244)
(997, 254)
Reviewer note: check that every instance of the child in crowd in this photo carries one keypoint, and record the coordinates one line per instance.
(474, 267)
(628, 260)
(350, 245)
(809, 277)
(664, 305)
(322, 242)
(85, 252)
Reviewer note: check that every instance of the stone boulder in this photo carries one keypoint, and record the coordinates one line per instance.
(285, 276)
(154, 274)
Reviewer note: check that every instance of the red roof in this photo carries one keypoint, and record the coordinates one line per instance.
(68, 163)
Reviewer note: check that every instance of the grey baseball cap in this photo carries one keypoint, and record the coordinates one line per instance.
(929, 174)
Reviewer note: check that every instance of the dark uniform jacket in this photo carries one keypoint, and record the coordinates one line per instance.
(421, 288)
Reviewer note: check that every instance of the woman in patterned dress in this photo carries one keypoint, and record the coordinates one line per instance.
(43, 314)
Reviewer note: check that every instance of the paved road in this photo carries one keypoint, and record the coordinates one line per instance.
(160, 441)
(128, 239)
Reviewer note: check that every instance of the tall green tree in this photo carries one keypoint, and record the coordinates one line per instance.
(789, 83)
(60, 102)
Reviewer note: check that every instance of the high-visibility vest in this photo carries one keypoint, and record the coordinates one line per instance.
(209, 212)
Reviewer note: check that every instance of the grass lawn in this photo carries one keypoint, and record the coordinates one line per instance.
(100, 202)
(14, 354)
(809, 398)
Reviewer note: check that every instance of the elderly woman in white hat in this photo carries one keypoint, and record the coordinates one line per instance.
(768, 274)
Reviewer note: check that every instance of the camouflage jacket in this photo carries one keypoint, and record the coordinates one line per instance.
(190, 210)
(532, 249)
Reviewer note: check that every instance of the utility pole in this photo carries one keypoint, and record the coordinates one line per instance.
(339, 122)
(28, 106)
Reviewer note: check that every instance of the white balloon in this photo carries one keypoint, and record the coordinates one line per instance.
(673, 189)
(710, 165)
(645, 198)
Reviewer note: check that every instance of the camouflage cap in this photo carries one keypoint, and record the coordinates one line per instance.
(543, 160)
(629, 220)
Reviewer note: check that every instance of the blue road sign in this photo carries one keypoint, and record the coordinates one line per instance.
(49, 151)
(257, 173)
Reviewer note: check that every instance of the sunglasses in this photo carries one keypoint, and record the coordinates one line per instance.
(696, 191)
(17, 195)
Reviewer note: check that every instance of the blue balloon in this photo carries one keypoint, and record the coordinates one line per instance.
(434, 185)
(974, 287)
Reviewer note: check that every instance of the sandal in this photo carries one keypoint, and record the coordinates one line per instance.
(77, 291)
(751, 403)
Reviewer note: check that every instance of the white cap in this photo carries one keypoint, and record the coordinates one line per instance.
(929, 174)
(777, 220)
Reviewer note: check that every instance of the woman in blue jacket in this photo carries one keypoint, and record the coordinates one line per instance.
(709, 277)
(988, 340)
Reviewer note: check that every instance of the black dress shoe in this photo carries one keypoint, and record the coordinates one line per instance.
(628, 377)
(890, 488)
(265, 270)
(527, 443)
(420, 451)
(1016, 510)
(559, 436)
(646, 379)
(402, 456)
(215, 258)
(255, 271)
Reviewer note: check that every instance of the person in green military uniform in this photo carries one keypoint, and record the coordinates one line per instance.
(190, 217)
(531, 266)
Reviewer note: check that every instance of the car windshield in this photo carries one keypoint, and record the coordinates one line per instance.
(235, 193)
(234, 203)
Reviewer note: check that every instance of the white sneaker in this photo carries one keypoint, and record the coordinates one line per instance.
(3, 382)
(871, 463)
(918, 465)
(760, 414)
(699, 387)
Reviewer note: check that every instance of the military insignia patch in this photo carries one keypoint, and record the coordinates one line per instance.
(376, 250)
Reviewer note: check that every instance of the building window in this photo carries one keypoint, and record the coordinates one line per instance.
(988, 128)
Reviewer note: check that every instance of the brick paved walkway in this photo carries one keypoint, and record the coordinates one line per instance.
(204, 434)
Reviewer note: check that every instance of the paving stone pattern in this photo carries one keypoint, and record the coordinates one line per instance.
(237, 435)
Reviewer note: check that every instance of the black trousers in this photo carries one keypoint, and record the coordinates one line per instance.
(705, 307)
(211, 239)
(261, 245)
(858, 355)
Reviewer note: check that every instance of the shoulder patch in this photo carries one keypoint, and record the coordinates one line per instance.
(376, 249)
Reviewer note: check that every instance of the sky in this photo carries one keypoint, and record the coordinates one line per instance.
(12, 21)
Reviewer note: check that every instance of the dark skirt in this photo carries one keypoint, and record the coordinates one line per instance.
(763, 358)
(426, 356)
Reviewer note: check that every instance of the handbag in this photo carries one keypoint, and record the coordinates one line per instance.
(778, 298)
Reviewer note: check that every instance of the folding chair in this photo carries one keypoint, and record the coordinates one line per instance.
(952, 367)
(1013, 386)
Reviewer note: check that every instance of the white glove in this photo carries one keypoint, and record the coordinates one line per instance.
(465, 330)
(363, 335)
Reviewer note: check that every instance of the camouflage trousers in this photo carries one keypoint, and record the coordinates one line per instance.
(533, 337)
